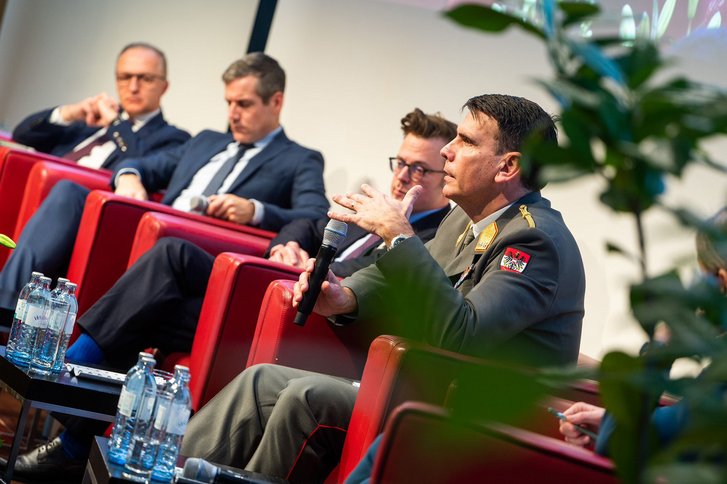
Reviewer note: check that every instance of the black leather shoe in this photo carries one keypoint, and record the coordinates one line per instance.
(47, 464)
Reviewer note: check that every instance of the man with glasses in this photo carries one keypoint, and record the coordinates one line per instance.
(503, 278)
(253, 175)
(100, 132)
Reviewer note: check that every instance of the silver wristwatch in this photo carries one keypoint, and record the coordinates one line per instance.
(398, 240)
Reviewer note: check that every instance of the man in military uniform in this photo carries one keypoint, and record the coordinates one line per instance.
(502, 278)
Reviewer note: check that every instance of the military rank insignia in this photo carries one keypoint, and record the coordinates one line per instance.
(514, 260)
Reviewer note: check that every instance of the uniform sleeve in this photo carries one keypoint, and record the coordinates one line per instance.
(409, 287)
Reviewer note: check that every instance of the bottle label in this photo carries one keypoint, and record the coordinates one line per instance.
(178, 418)
(126, 402)
(147, 407)
(20, 309)
(70, 321)
(36, 316)
(160, 421)
(57, 319)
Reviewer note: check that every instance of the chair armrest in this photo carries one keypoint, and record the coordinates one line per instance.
(42, 178)
(105, 237)
(422, 442)
(213, 239)
(397, 369)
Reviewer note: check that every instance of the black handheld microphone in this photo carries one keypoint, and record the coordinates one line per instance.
(202, 471)
(198, 204)
(333, 235)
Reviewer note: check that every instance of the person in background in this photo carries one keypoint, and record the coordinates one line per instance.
(668, 421)
(253, 175)
(100, 131)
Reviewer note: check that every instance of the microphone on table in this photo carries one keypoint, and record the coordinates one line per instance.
(202, 471)
(333, 235)
(198, 204)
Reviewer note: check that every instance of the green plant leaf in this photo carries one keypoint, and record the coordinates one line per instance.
(665, 17)
(7, 241)
(576, 12)
(488, 20)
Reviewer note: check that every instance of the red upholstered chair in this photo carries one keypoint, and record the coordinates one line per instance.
(227, 322)
(422, 443)
(105, 238)
(211, 238)
(396, 369)
(43, 177)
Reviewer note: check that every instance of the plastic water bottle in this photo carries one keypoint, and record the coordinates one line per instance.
(129, 401)
(20, 313)
(140, 460)
(34, 322)
(70, 294)
(46, 343)
(170, 423)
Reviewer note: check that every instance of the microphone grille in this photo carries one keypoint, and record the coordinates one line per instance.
(199, 470)
(334, 233)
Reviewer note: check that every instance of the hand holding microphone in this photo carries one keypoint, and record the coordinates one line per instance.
(333, 235)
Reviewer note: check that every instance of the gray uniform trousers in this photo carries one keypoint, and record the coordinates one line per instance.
(275, 420)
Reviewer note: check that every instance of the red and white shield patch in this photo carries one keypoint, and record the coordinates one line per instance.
(514, 260)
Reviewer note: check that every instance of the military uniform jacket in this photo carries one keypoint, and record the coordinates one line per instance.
(522, 298)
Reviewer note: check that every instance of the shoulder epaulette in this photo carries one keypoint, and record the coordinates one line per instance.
(526, 215)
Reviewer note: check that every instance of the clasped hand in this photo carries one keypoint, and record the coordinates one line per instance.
(99, 110)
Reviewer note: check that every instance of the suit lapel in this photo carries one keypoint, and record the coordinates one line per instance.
(152, 125)
(268, 153)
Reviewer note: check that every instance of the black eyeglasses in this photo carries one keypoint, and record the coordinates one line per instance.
(125, 78)
(416, 171)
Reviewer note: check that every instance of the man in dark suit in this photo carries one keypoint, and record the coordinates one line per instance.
(502, 278)
(254, 175)
(99, 132)
(158, 300)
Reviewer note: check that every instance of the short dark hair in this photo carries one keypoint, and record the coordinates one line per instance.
(711, 244)
(428, 126)
(271, 77)
(517, 119)
(147, 46)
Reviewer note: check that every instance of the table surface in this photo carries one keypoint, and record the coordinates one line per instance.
(100, 471)
(60, 392)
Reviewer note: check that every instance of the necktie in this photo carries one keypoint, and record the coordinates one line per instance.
(86, 150)
(372, 240)
(469, 236)
(225, 170)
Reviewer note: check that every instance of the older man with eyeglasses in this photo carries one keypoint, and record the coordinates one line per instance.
(99, 131)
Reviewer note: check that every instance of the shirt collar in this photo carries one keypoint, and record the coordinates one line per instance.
(140, 120)
(265, 140)
(482, 224)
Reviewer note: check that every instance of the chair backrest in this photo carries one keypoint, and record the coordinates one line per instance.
(318, 346)
(422, 443)
(15, 166)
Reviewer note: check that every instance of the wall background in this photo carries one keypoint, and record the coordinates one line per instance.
(354, 68)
